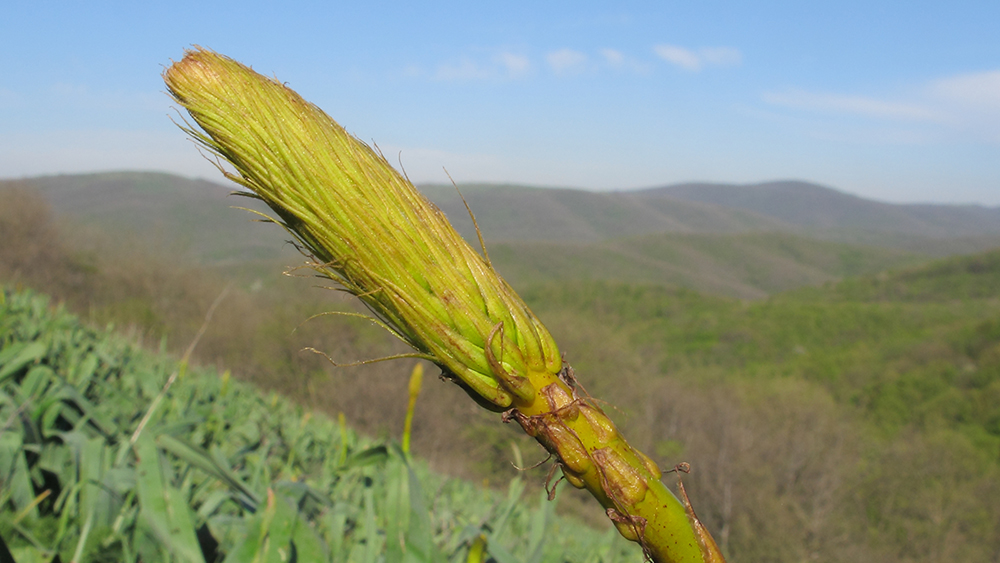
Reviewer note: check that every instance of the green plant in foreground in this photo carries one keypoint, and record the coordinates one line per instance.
(222, 471)
(368, 229)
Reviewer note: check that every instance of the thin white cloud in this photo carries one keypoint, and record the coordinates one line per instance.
(695, 60)
(965, 106)
(856, 105)
(566, 61)
(721, 56)
(973, 100)
(979, 90)
(613, 57)
(515, 65)
(502, 66)
(678, 56)
(509, 65)
(464, 69)
(618, 60)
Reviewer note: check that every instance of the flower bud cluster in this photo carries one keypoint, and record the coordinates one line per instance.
(366, 227)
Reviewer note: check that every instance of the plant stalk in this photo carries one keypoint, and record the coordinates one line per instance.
(366, 227)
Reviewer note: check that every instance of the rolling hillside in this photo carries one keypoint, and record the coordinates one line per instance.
(187, 215)
(748, 266)
(854, 420)
(144, 200)
(743, 241)
(563, 215)
(817, 207)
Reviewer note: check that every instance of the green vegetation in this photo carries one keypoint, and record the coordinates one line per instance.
(867, 411)
(854, 421)
(95, 467)
(749, 266)
(914, 347)
(538, 235)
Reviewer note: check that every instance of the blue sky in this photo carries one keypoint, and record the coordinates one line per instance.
(896, 101)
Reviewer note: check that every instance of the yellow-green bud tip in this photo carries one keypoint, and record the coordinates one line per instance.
(366, 226)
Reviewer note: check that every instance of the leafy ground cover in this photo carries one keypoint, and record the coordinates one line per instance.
(100, 461)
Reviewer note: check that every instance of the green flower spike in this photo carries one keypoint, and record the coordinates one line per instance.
(371, 231)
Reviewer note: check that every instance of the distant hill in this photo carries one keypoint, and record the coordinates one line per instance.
(512, 213)
(509, 213)
(751, 265)
(744, 241)
(189, 215)
(148, 200)
(818, 207)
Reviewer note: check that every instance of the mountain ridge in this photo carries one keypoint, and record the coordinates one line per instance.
(654, 236)
(521, 212)
(811, 205)
(785, 205)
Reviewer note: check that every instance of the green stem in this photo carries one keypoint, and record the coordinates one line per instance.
(369, 229)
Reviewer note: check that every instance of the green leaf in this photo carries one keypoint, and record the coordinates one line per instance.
(14, 474)
(308, 545)
(163, 507)
(276, 534)
(369, 456)
(372, 542)
(82, 373)
(419, 536)
(408, 533)
(94, 417)
(514, 492)
(539, 527)
(202, 460)
(16, 356)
